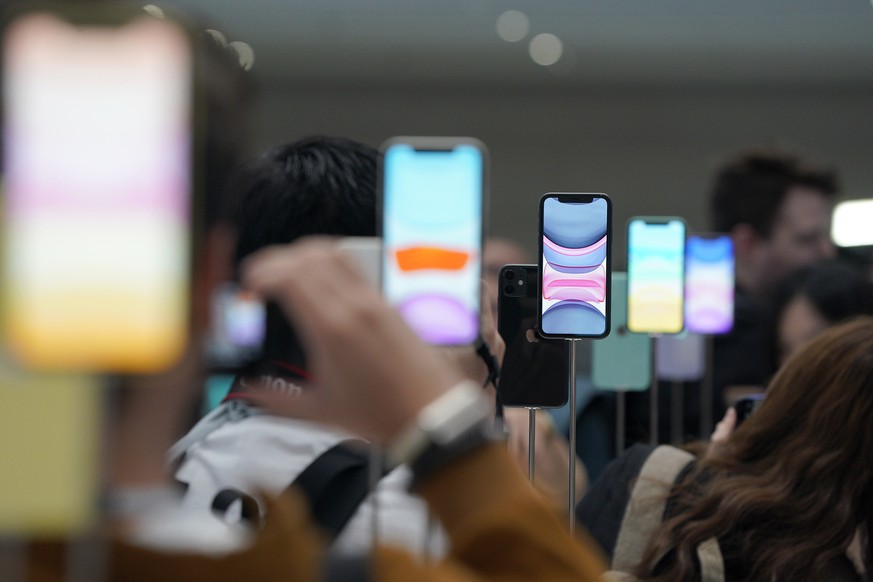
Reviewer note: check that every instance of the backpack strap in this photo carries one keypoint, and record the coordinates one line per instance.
(645, 509)
(711, 561)
(335, 484)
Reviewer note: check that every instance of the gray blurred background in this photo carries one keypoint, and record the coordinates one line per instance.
(646, 99)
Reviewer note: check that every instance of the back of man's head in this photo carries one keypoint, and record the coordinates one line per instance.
(317, 185)
(751, 188)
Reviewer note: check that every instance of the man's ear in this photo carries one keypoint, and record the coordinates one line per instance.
(213, 267)
(746, 240)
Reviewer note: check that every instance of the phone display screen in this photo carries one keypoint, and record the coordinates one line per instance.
(238, 328)
(574, 255)
(656, 259)
(432, 203)
(709, 284)
(97, 150)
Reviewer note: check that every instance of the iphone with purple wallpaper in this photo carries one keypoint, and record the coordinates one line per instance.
(575, 264)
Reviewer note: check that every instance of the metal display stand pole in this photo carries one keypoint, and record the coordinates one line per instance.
(653, 393)
(375, 475)
(620, 416)
(571, 495)
(677, 411)
(531, 441)
(706, 391)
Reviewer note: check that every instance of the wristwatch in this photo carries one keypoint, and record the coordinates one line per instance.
(451, 426)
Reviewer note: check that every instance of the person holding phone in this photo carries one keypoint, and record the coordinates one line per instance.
(786, 497)
(383, 382)
(326, 186)
(317, 185)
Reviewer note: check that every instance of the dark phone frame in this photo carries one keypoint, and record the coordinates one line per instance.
(531, 272)
(664, 221)
(434, 144)
(575, 197)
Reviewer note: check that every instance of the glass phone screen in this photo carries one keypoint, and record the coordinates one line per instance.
(97, 179)
(432, 236)
(709, 284)
(574, 259)
(656, 258)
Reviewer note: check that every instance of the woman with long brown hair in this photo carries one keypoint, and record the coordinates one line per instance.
(788, 492)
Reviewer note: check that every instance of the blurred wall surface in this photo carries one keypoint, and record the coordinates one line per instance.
(645, 100)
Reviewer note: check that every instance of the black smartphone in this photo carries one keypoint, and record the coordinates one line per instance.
(575, 265)
(536, 371)
(745, 407)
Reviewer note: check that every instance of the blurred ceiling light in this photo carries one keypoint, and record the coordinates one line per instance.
(545, 49)
(217, 36)
(852, 224)
(153, 10)
(245, 53)
(512, 26)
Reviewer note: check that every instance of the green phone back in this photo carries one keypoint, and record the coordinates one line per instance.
(622, 360)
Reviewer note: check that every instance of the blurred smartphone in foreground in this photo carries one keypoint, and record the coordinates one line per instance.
(535, 370)
(432, 210)
(99, 205)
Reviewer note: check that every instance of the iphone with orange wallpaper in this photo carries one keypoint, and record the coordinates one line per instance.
(98, 180)
(432, 208)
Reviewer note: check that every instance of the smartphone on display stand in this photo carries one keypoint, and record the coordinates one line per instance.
(709, 283)
(433, 196)
(574, 265)
(680, 357)
(622, 361)
(535, 371)
(656, 265)
(99, 201)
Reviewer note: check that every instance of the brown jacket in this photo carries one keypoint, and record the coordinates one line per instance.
(500, 529)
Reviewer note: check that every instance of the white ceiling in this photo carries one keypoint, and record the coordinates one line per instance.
(606, 41)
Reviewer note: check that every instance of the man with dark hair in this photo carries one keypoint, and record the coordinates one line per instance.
(777, 209)
(313, 186)
(316, 185)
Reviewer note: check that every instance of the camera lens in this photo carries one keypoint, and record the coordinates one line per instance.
(508, 289)
(510, 275)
